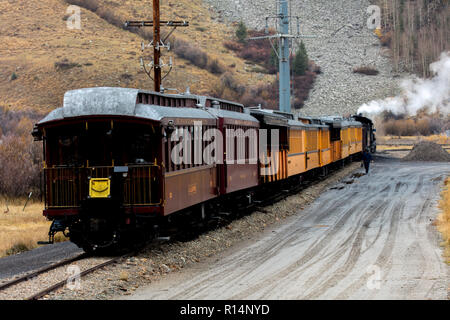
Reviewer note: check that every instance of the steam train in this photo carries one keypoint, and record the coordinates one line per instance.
(110, 178)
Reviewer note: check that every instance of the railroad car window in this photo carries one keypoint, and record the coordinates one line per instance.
(63, 146)
(295, 145)
(99, 144)
(335, 134)
(134, 144)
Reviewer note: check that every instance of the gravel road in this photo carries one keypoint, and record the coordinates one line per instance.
(36, 259)
(370, 237)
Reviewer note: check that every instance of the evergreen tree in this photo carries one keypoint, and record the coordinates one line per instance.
(274, 62)
(300, 64)
(241, 32)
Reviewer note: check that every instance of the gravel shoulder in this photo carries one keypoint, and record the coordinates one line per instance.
(370, 238)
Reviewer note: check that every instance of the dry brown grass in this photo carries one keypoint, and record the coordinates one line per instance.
(103, 52)
(20, 230)
(439, 139)
(443, 222)
(384, 147)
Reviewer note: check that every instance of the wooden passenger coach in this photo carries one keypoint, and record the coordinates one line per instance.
(116, 157)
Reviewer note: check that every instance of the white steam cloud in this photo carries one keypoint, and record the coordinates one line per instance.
(419, 94)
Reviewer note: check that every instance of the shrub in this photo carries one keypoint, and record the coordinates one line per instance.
(228, 88)
(9, 120)
(20, 157)
(300, 63)
(201, 29)
(367, 70)
(110, 17)
(233, 45)
(302, 85)
(194, 55)
(215, 67)
(386, 39)
(91, 5)
(313, 67)
(65, 65)
(13, 76)
(241, 32)
(126, 77)
(19, 165)
(413, 126)
(17, 248)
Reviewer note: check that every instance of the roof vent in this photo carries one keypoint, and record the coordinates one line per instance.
(215, 104)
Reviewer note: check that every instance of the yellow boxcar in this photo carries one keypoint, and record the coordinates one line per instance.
(355, 130)
(325, 152)
(345, 139)
(359, 142)
(296, 156)
(312, 148)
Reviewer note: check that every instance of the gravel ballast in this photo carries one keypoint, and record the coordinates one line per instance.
(124, 278)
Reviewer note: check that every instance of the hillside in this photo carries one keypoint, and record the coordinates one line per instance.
(341, 42)
(47, 58)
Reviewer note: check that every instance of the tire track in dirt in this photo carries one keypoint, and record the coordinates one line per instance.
(382, 220)
(383, 258)
(283, 239)
(352, 258)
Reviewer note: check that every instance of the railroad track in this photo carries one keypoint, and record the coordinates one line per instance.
(278, 196)
(36, 273)
(60, 284)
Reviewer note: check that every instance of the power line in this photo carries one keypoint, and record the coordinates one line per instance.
(157, 43)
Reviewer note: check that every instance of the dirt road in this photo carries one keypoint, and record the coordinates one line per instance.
(372, 238)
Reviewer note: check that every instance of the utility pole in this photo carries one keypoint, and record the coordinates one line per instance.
(157, 43)
(284, 38)
(285, 74)
(156, 39)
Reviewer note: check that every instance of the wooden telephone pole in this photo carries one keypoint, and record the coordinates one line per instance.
(157, 43)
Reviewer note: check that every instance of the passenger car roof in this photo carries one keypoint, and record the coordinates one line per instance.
(102, 101)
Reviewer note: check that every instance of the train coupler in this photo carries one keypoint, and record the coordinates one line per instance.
(57, 226)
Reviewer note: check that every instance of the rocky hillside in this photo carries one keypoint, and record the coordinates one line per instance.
(342, 42)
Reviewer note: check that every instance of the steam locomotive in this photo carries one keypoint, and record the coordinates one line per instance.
(111, 178)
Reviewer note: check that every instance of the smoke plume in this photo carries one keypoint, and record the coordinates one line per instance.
(432, 95)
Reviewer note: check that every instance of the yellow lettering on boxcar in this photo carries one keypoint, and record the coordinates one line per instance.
(192, 188)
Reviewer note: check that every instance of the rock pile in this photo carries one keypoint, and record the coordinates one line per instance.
(427, 151)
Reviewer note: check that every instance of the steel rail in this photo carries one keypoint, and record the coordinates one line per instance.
(36, 273)
(82, 274)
